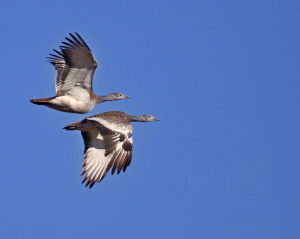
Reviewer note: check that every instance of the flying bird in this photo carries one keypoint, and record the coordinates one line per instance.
(75, 66)
(108, 143)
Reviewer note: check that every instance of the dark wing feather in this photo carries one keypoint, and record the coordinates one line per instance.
(77, 54)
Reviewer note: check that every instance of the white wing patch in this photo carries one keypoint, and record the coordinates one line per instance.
(95, 163)
(104, 149)
(77, 77)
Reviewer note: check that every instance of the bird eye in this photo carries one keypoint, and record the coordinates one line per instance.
(120, 94)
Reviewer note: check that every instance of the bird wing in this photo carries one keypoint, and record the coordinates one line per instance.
(59, 63)
(75, 66)
(106, 147)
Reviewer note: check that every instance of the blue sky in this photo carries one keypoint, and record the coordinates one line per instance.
(223, 162)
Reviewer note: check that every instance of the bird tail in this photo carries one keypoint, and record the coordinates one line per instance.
(74, 126)
(44, 101)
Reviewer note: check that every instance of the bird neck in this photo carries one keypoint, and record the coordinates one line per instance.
(103, 98)
(133, 118)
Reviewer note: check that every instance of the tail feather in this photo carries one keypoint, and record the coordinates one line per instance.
(44, 101)
(73, 126)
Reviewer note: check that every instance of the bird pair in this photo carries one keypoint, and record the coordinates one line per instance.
(107, 136)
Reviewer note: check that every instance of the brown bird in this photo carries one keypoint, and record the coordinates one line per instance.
(75, 66)
(108, 143)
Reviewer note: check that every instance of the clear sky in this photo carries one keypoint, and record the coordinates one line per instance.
(223, 162)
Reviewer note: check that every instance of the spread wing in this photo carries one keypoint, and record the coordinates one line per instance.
(75, 66)
(105, 148)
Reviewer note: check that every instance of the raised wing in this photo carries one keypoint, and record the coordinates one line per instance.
(75, 65)
(59, 63)
(105, 148)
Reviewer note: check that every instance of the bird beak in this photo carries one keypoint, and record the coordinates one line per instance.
(128, 97)
(156, 119)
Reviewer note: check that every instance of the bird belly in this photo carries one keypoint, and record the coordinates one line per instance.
(67, 103)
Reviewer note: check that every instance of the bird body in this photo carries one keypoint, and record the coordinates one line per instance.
(108, 143)
(69, 103)
(75, 66)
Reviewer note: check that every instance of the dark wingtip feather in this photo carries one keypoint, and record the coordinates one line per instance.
(58, 52)
(84, 179)
(83, 172)
(82, 41)
(71, 41)
(68, 44)
(62, 48)
(76, 40)
(91, 184)
(113, 169)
